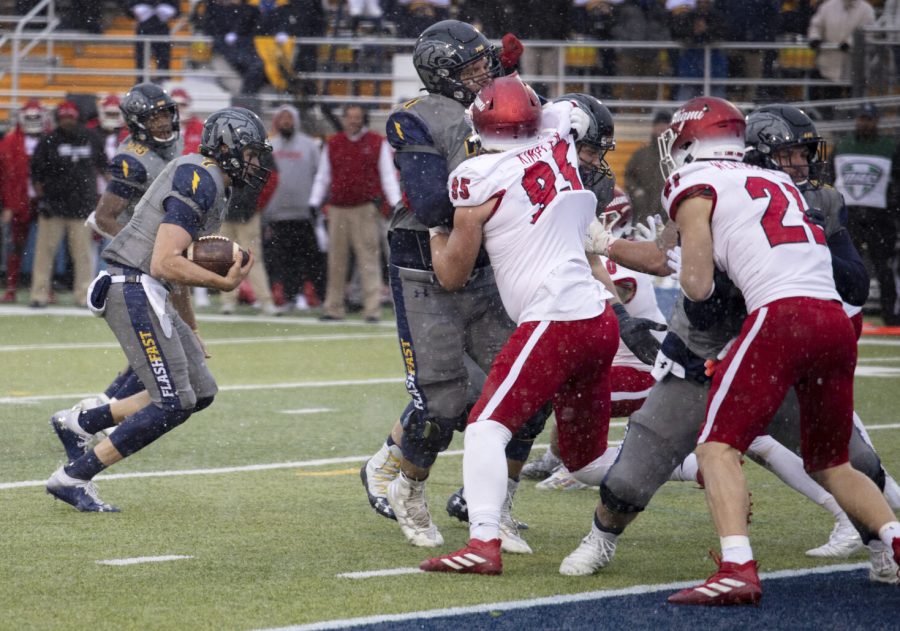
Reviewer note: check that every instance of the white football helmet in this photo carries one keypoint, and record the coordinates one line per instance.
(704, 128)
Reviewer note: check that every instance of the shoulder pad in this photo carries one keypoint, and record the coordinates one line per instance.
(127, 168)
(195, 182)
(405, 129)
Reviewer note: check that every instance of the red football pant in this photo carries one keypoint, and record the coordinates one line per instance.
(802, 342)
(567, 363)
(629, 387)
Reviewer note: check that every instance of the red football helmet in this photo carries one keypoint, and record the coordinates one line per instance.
(34, 118)
(111, 117)
(506, 113)
(617, 216)
(704, 128)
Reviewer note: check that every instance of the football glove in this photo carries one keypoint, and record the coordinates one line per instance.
(636, 334)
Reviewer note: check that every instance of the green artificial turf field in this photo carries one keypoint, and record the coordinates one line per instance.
(261, 491)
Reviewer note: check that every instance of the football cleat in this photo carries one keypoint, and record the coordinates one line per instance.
(882, 568)
(732, 584)
(510, 539)
(407, 499)
(478, 557)
(379, 471)
(73, 438)
(82, 494)
(560, 480)
(595, 552)
(540, 468)
(843, 542)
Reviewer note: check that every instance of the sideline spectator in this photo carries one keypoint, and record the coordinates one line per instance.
(84, 15)
(414, 16)
(153, 17)
(834, 23)
(64, 171)
(306, 18)
(18, 197)
(292, 250)
(232, 24)
(532, 20)
(643, 179)
(697, 23)
(191, 124)
(756, 21)
(867, 174)
(352, 165)
(242, 224)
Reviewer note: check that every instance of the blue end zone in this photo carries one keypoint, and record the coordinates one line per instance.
(833, 597)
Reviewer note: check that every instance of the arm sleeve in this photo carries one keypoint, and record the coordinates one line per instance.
(322, 181)
(423, 169)
(388, 174)
(705, 313)
(850, 276)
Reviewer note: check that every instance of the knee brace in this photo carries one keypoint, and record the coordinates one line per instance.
(145, 426)
(615, 504)
(203, 403)
(520, 445)
(424, 438)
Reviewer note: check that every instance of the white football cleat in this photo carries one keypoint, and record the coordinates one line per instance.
(560, 480)
(541, 468)
(407, 498)
(882, 568)
(843, 542)
(594, 553)
(379, 471)
(510, 539)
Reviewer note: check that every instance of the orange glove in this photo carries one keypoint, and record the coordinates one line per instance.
(711, 365)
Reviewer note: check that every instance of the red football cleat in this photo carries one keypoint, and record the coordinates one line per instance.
(733, 584)
(9, 296)
(478, 557)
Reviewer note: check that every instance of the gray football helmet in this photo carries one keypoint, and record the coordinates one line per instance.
(226, 135)
(774, 127)
(444, 49)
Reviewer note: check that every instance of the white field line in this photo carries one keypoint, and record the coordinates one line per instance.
(546, 601)
(28, 399)
(307, 411)
(137, 560)
(397, 571)
(320, 462)
(308, 320)
(224, 341)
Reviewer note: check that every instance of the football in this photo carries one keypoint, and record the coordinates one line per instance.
(215, 253)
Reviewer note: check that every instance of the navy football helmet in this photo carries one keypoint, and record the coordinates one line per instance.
(142, 102)
(775, 127)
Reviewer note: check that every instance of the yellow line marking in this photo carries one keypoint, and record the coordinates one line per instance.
(325, 474)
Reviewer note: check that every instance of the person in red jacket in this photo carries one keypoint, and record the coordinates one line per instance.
(191, 125)
(354, 163)
(17, 194)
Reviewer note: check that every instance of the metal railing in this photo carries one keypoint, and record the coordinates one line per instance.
(869, 78)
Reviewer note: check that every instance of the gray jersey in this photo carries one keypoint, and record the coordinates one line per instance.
(195, 181)
(828, 200)
(133, 169)
(429, 124)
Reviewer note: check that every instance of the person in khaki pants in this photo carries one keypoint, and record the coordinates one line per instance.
(356, 167)
(243, 224)
(64, 171)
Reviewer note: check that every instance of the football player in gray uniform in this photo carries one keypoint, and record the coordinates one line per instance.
(448, 339)
(664, 431)
(154, 140)
(145, 260)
